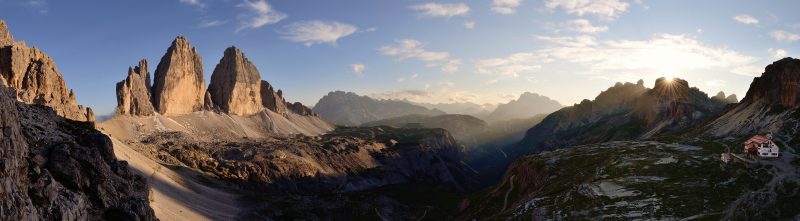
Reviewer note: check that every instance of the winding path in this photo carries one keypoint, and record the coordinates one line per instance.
(505, 200)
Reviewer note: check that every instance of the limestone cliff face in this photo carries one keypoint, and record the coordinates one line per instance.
(779, 84)
(235, 84)
(299, 108)
(273, 100)
(179, 87)
(55, 169)
(133, 94)
(35, 77)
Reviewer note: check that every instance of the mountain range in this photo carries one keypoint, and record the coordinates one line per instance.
(235, 149)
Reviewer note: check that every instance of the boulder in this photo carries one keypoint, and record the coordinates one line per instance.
(179, 87)
(235, 84)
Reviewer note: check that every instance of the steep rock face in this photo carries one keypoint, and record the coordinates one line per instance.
(179, 87)
(35, 77)
(350, 109)
(770, 106)
(235, 84)
(271, 99)
(133, 94)
(528, 105)
(55, 169)
(779, 84)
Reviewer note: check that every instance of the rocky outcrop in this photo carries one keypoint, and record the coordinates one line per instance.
(235, 84)
(35, 77)
(778, 85)
(133, 94)
(5, 36)
(350, 109)
(273, 100)
(299, 108)
(179, 87)
(344, 160)
(722, 98)
(527, 106)
(57, 169)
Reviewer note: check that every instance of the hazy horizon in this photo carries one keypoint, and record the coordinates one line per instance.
(423, 51)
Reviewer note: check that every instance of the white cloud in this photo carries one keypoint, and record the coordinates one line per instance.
(784, 36)
(196, 3)
(261, 13)
(211, 23)
(414, 76)
(442, 93)
(451, 66)
(317, 32)
(358, 69)
(469, 24)
(778, 53)
(585, 26)
(662, 53)
(441, 10)
(409, 48)
(505, 7)
(511, 66)
(605, 9)
(401, 79)
(745, 19)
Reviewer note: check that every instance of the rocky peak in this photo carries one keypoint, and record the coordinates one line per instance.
(271, 99)
(179, 87)
(722, 98)
(236, 84)
(778, 85)
(34, 76)
(5, 35)
(670, 88)
(133, 93)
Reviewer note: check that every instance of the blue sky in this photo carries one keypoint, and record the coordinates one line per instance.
(486, 51)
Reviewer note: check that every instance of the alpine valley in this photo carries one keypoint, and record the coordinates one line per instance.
(228, 140)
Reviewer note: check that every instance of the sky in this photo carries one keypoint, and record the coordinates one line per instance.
(487, 51)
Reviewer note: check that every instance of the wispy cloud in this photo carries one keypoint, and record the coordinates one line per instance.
(441, 10)
(410, 48)
(778, 53)
(317, 32)
(585, 26)
(444, 92)
(195, 3)
(358, 69)
(784, 36)
(511, 66)
(211, 23)
(40, 6)
(745, 19)
(260, 13)
(505, 7)
(605, 9)
(469, 24)
(662, 53)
